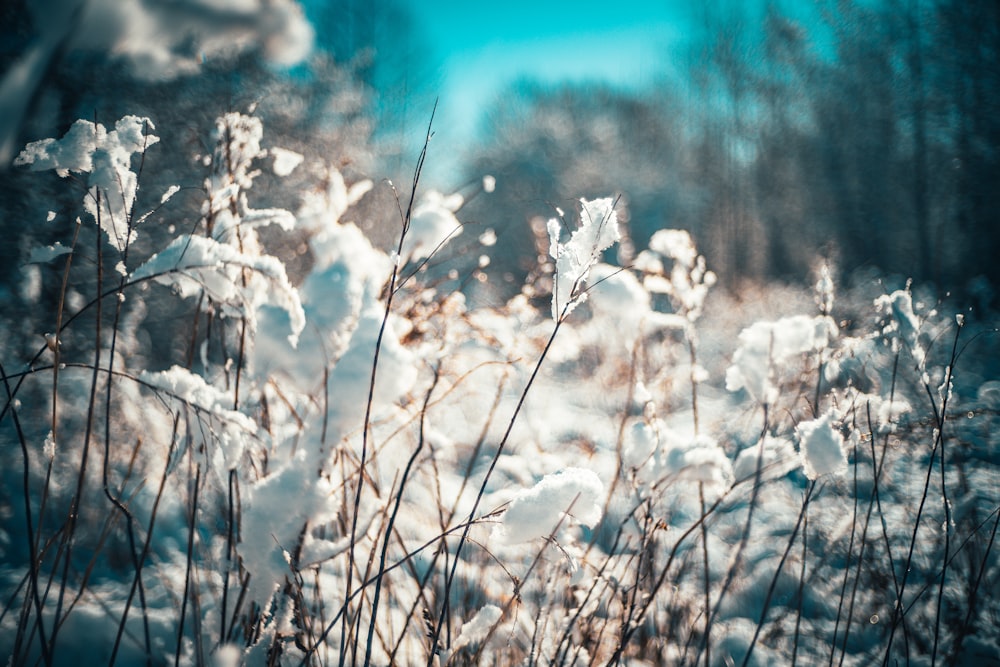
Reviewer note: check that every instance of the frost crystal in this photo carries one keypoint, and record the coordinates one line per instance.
(821, 447)
(536, 512)
(597, 232)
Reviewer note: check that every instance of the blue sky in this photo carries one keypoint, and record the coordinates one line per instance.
(485, 46)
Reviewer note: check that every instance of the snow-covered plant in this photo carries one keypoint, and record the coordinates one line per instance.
(432, 225)
(356, 462)
(198, 265)
(824, 289)
(687, 281)
(598, 231)
(538, 511)
(106, 159)
(899, 324)
(771, 353)
(821, 447)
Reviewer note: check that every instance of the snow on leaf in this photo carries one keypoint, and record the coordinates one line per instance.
(106, 157)
(211, 419)
(766, 348)
(675, 244)
(263, 217)
(324, 208)
(900, 323)
(617, 294)
(641, 441)
(285, 161)
(237, 144)
(170, 192)
(824, 289)
(597, 232)
(191, 264)
(536, 512)
(278, 506)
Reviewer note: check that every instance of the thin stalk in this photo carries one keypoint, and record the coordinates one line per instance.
(192, 518)
(392, 519)
(230, 548)
(860, 564)
(650, 596)
(802, 585)
(777, 573)
(74, 510)
(745, 538)
(435, 635)
(707, 643)
(940, 419)
(145, 549)
(32, 555)
(371, 387)
(938, 443)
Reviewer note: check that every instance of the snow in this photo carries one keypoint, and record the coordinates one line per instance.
(432, 225)
(598, 231)
(212, 421)
(901, 324)
(536, 512)
(285, 161)
(196, 264)
(767, 350)
(476, 629)
(106, 158)
(616, 450)
(821, 447)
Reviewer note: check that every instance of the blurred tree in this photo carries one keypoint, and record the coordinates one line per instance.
(549, 146)
(967, 78)
(859, 129)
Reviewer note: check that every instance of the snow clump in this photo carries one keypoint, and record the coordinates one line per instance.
(536, 512)
(900, 323)
(478, 626)
(821, 447)
(88, 148)
(767, 347)
(432, 224)
(598, 231)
